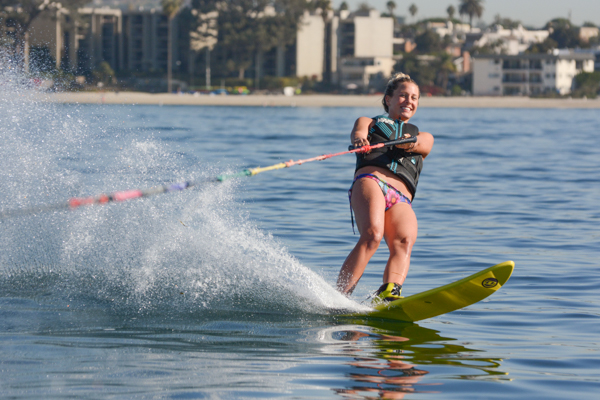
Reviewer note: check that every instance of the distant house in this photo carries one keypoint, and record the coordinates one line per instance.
(528, 74)
(507, 41)
(588, 32)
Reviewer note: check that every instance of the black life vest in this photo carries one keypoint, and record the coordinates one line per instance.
(407, 166)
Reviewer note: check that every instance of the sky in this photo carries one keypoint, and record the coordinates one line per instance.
(532, 13)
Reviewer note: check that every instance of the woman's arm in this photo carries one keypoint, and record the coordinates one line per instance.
(360, 132)
(422, 146)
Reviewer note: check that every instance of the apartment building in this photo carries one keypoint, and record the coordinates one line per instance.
(99, 38)
(354, 50)
(528, 74)
(366, 49)
(127, 39)
(310, 47)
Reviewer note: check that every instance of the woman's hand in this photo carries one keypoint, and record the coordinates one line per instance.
(407, 146)
(422, 146)
(360, 132)
(360, 142)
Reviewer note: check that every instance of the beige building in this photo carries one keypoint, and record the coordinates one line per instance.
(528, 74)
(588, 32)
(310, 47)
(366, 49)
(354, 50)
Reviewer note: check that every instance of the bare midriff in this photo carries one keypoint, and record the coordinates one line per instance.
(388, 176)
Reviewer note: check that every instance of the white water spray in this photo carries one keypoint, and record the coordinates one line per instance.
(189, 252)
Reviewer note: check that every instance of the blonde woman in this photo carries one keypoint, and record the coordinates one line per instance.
(385, 183)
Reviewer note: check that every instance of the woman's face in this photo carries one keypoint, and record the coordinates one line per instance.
(403, 103)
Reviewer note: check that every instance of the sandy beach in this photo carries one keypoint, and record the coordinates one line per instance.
(310, 100)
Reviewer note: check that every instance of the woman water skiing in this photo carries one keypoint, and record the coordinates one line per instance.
(385, 182)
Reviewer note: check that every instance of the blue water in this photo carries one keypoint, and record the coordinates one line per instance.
(225, 290)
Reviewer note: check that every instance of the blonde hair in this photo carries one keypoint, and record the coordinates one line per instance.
(395, 81)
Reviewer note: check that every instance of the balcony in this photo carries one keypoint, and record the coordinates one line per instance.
(514, 79)
(522, 65)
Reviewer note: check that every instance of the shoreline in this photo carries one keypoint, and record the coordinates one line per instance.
(308, 100)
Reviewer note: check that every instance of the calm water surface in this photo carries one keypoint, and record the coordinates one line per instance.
(225, 290)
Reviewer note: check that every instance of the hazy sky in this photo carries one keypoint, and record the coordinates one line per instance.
(533, 13)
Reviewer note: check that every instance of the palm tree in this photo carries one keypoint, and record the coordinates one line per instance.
(170, 8)
(445, 68)
(364, 7)
(391, 6)
(413, 10)
(471, 8)
(325, 6)
(451, 10)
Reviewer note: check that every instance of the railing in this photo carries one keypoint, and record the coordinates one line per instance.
(514, 79)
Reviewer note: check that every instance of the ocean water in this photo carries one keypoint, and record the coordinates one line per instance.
(226, 290)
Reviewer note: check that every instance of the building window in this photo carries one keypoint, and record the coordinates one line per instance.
(535, 78)
(535, 64)
(512, 64)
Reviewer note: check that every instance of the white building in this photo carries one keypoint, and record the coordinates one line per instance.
(528, 74)
(351, 49)
(310, 46)
(448, 28)
(509, 41)
(366, 49)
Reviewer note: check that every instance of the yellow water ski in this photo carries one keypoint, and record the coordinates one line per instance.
(446, 298)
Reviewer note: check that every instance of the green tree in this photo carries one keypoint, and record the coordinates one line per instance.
(544, 47)
(445, 67)
(428, 42)
(391, 6)
(324, 6)
(413, 10)
(450, 11)
(170, 9)
(246, 29)
(507, 23)
(364, 7)
(587, 84)
(564, 33)
(472, 8)
(422, 72)
(104, 73)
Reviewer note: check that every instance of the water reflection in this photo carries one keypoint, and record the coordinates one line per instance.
(391, 359)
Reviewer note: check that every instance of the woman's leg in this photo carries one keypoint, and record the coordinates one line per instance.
(368, 204)
(400, 235)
